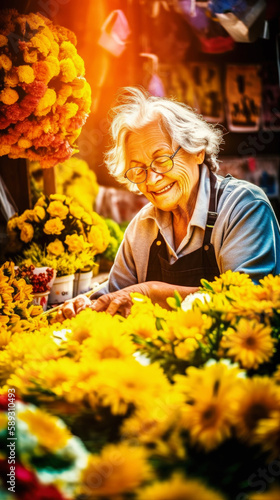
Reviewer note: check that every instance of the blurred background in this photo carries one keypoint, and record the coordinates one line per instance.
(220, 57)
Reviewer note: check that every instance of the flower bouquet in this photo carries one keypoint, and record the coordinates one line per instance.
(60, 234)
(17, 311)
(44, 97)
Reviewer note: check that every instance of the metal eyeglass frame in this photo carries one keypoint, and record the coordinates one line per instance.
(151, 166)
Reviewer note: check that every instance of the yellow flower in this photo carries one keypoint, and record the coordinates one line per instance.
(184, 349)
(41, 202)
(126, 382)
(55, 247)
(24, 143)
(76, 243)
(48, 430)
(39, 213)
(54, 226)
(118, 469)
(76, 210)
(5, 62)
(250, 343)
(178, 488)
(26, 74)
(230, 279)
(3, 40)
(27, 232)
(67, 70)
(59, 197)
(207, 415)
(58, 209)
(45, 103)
(143, 325)
(256, 399)
(110, 344)
(9, 96)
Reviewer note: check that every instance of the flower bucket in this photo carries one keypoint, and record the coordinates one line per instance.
(41, 299)
(82, 283)
(62, 289)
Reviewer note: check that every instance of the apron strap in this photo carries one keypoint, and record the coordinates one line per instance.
(213, 204)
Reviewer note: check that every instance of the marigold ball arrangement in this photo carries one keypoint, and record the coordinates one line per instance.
(44, 97)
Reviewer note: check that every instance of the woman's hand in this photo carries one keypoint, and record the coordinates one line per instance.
(72, 307)
(120, 302)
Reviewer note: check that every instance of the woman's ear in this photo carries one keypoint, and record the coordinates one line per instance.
(200, 157)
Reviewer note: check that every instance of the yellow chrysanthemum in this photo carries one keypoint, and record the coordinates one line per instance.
(143, 325)
(119, 469)
(54, 226)
(45, 103)
(5, 62)
(186, 348)
(126, 382)
(55, 247)
(9, 96)
(250, 343)
(76, 243)
(254, 400)
(39, 213)
(110, 344)
(68, 70)
(24, 143)
(25, 74)
(178, 488)
(3, 40)
(208, 412)
(27, 232)
(229, 279)
(76, 210)
(48, 430)
(60, 197)
(58, 209)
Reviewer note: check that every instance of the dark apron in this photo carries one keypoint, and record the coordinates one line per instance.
(190, 269)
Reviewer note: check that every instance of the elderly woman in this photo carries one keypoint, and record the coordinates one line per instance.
(197, 224)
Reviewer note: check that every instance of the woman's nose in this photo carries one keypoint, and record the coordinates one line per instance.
(152, 177)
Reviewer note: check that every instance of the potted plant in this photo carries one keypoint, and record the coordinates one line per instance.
(58, 233)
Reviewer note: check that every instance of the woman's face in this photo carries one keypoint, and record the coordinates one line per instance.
(170, 191)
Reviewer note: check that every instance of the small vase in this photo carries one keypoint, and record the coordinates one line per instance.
(41, 299)
(61, 290)
(82, 283)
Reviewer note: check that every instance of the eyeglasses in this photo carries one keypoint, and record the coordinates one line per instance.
(160, 165)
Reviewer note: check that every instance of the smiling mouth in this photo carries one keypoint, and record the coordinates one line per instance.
(164, 190)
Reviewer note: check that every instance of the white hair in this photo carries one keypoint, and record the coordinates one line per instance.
(137, 108)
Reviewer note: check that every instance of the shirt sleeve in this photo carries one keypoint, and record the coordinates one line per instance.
(251, 239)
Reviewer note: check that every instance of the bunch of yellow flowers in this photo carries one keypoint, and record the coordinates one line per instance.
(61, 229)
(231, 317)
(44, 98)
(17, 313)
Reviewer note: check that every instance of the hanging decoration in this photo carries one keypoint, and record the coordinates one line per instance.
(44, 97)
(243, 94)
(114, 33)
